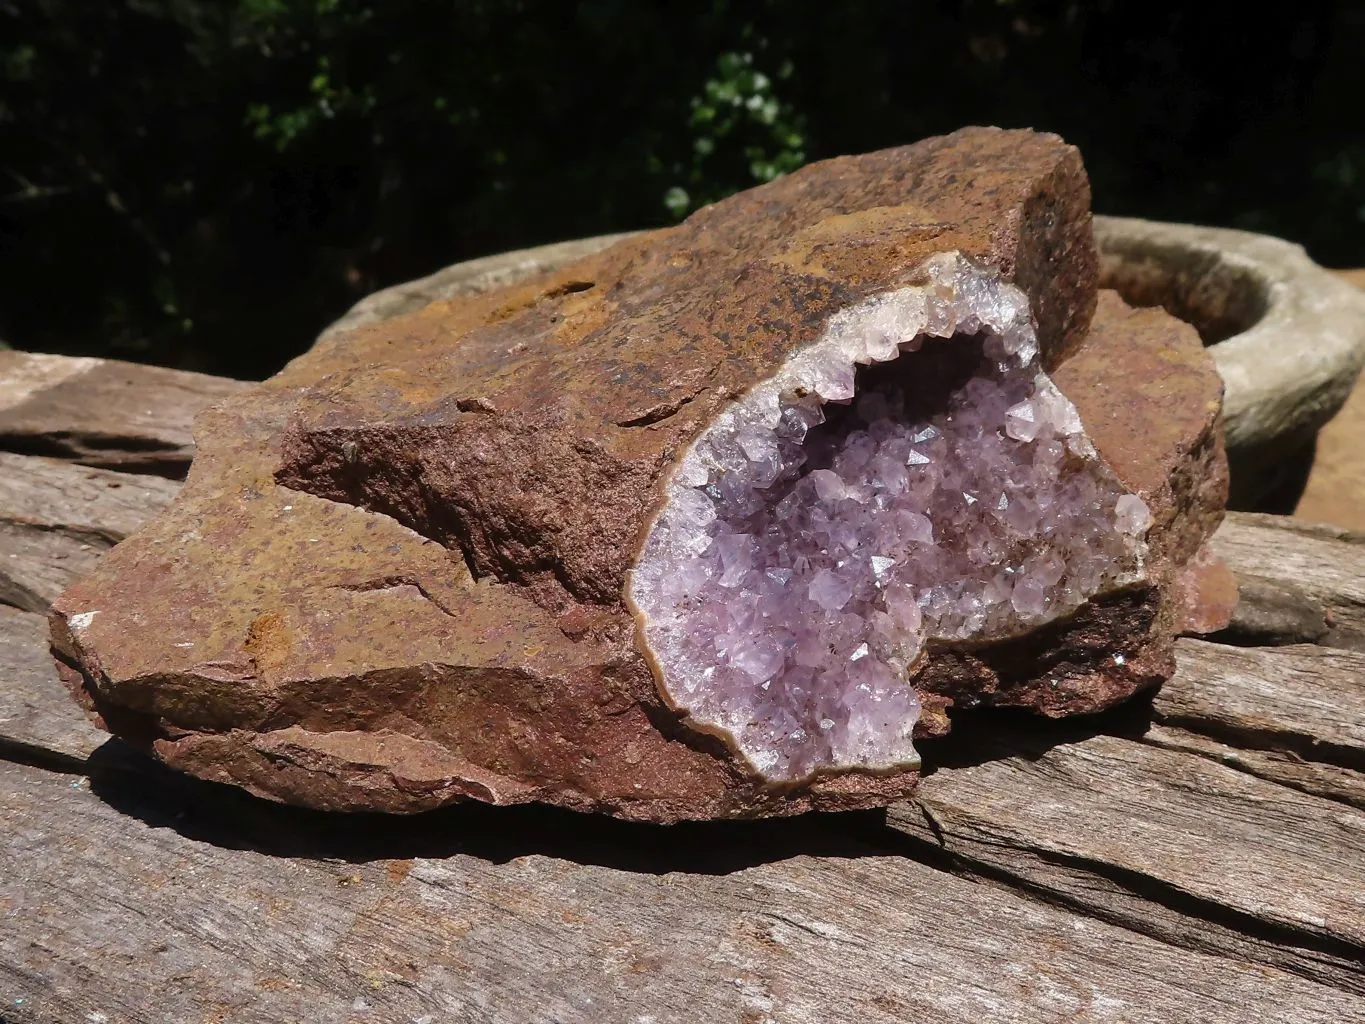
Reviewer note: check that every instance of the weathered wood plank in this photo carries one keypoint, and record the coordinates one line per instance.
(490, 916)
(35, 567)
(1305, 699)
(37, 715)
(1168, 843)
(1282, 766)
(103, 412)
(95, 503)
(1322, 562)
(1272, 613)
(56, 518)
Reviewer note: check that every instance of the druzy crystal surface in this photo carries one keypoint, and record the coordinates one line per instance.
(911, 478)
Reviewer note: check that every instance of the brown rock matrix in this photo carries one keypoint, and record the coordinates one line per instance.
(398, 573)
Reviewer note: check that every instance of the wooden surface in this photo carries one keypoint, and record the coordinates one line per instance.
(35, 709)
(57, 517)
(103, 412)
(1198, 855)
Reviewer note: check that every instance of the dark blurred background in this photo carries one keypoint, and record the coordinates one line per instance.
(207, 183)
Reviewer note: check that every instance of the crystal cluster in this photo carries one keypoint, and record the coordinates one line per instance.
(815, 540)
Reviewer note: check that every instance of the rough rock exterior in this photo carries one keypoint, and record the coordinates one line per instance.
(396, 576)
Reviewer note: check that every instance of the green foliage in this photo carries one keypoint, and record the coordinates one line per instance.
(738, 114)
(208, 182)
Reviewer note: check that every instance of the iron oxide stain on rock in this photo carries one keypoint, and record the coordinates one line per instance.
(456, 570)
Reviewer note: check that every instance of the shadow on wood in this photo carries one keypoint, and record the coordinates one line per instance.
(983, 735)
(227, 817)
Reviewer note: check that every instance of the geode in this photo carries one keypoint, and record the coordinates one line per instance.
(803, 563)
(716, 522)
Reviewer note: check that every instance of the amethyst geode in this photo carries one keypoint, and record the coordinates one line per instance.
(713, 523)
(809, 552)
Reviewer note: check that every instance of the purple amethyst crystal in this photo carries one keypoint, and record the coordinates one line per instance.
(837, 520)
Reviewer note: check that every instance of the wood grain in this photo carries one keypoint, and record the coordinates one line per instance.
(116, 905)
(1281, 766)
(56, 518)
(1164, 842)
(1274, 612)
(1325, 563)
(1305, 699)
(37, 715)
(103, 412)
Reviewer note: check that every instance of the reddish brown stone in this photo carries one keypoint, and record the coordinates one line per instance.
(394, 578)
